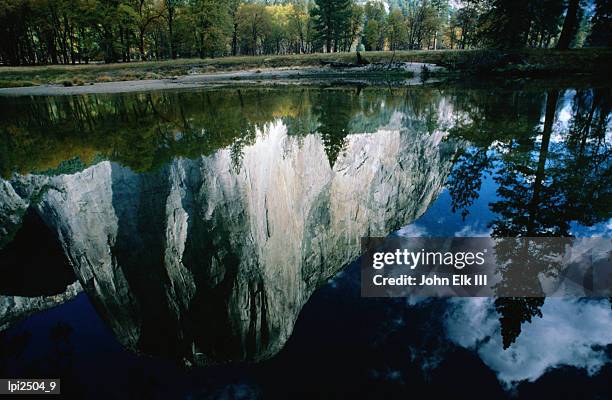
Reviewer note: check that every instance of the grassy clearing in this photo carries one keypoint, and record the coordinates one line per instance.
(526, 62)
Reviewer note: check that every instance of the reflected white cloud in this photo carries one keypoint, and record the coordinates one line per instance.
(412, 230)
(473, 231)
(602, 229)
(571, 332)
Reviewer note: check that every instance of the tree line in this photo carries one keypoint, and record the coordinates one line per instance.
(35, 32)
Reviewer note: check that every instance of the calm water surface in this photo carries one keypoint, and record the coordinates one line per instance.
(205, 244)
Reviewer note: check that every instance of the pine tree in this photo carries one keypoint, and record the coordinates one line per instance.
(601, 24)
(570, 25)
(508, 23)
(331, 20)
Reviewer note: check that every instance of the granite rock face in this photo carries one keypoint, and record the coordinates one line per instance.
(14, 203)
(12, 209)
(14, 308)
(208, 262)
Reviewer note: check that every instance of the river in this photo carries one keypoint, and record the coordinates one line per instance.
(204, 243)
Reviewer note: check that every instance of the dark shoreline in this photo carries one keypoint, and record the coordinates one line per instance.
(528, 63)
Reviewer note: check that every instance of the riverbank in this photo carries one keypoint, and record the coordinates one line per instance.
(397, 74)
(530, 62)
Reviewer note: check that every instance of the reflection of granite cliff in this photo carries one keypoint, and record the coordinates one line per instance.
(12, 208)
(200, 262)
(15, 308)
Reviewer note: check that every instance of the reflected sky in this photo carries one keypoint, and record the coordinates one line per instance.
(571, 332)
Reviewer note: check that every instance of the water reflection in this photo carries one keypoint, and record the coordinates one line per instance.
(567, 332)
(210, 259)
(543, 183)
(145, 131)
(200, 223)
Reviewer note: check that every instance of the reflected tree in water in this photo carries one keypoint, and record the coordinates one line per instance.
(144, 131)
(465, 182)
(543, 185)
(334, 111)
(513, 312)
(486, 127)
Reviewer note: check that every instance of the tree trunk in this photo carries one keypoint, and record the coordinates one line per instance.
(254, 32)
(569, 25)
(141, 45)
(235, 40)
(171, 34)
(549, 118)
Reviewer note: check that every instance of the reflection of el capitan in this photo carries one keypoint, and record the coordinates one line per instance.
(242, 247)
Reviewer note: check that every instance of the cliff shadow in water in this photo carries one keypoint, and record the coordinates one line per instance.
(33, 263)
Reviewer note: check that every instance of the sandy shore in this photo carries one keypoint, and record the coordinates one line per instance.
(409, 75)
